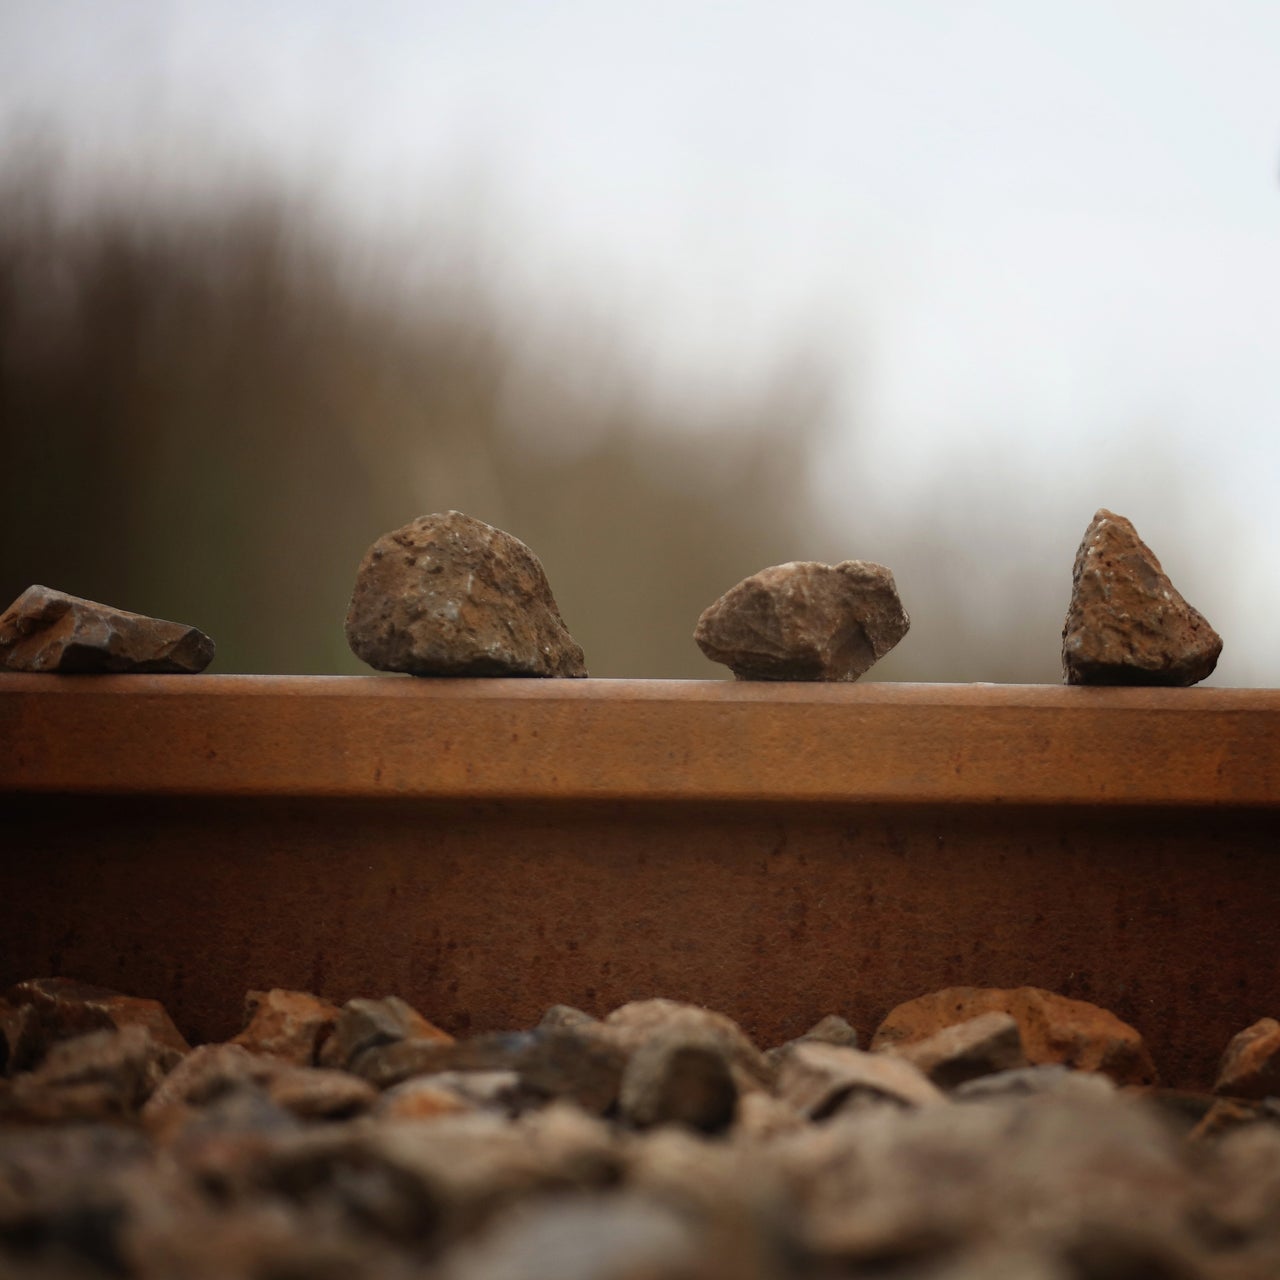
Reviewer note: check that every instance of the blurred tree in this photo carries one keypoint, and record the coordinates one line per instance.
(208, 414)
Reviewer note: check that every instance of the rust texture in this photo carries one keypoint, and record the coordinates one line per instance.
(645, 740)
(776, 853)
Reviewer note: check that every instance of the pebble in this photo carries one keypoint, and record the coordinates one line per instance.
(1127, 624)
(1052, 1028)
(805, 621)
(45, 630)
(448, 595)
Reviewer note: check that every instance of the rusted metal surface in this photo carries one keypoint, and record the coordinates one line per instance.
(778, 852)
(644, 740)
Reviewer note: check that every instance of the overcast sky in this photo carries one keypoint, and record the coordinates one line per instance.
(1040, 243)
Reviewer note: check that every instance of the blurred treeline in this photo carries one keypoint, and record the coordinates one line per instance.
(209, 413)
(209, 408)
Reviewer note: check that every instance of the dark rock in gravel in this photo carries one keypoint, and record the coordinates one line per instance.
(318, 1093)
(44, 1011)
(206, 1074)
(1250, 1066)
(1127, 624)
(362, 1025)
(685, 1080)
(633, 1025)
(964, 1051)
(1053, 1028)
(805, 621)
(448, 595)
(291, 1025)
(566, 1062)
(821, 1079)
(49, 631)
(99, 1076)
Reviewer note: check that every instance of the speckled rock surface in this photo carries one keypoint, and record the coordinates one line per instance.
(1127, 624)
(805, 621)
(448, 595)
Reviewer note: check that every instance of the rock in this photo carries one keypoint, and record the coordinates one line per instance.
(362, 1025)
(448, 595)
(585, 1067)
(1053, 1028)
(805, 621)
(207, 1073)
(49, 631)
(1126, 623)
(684, 1080)
(587, 1238)
(429, 1097)
(832, 1029)
(820, 1079)
(1051, 1079)
(964, 1051)
(320, 1093)
(99, 1076)
(631, 1026)
(1251, 1064)
(1227, 1115)
(44, 1011)
(291, 1025)
(565, 1015)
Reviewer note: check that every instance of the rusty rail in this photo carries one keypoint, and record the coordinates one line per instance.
(485, 848)
(639, 740)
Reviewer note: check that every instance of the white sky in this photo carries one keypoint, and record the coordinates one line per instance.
(1042, 241)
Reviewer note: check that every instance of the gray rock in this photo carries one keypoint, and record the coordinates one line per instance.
(1048, 1078)
(805, 621)
(964, 1051)
(363, 1024)
(448, 595)
(49, 631)
(832, 1029)
(820, 1079)
(684, 1080)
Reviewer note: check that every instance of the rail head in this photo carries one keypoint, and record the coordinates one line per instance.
(642, 740)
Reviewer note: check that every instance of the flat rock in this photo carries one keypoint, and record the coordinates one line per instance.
(1126, 623)
(981, 1046)
(805, 621)
(448, 595)
(1250, 1066)
(1053, 1028)
(832, 1029)
(819, 1079)
(49, 631)
(291, 1025)
(44, 1011)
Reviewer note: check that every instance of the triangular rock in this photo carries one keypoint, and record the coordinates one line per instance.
(1127, 624)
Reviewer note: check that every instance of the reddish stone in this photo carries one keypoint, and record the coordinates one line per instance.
(1052, 1028)
(805, 621)
(1251, 1064)
(47, 1010)
(49, 631)
(448, 595)
(1127, 624)
(287, 1024)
